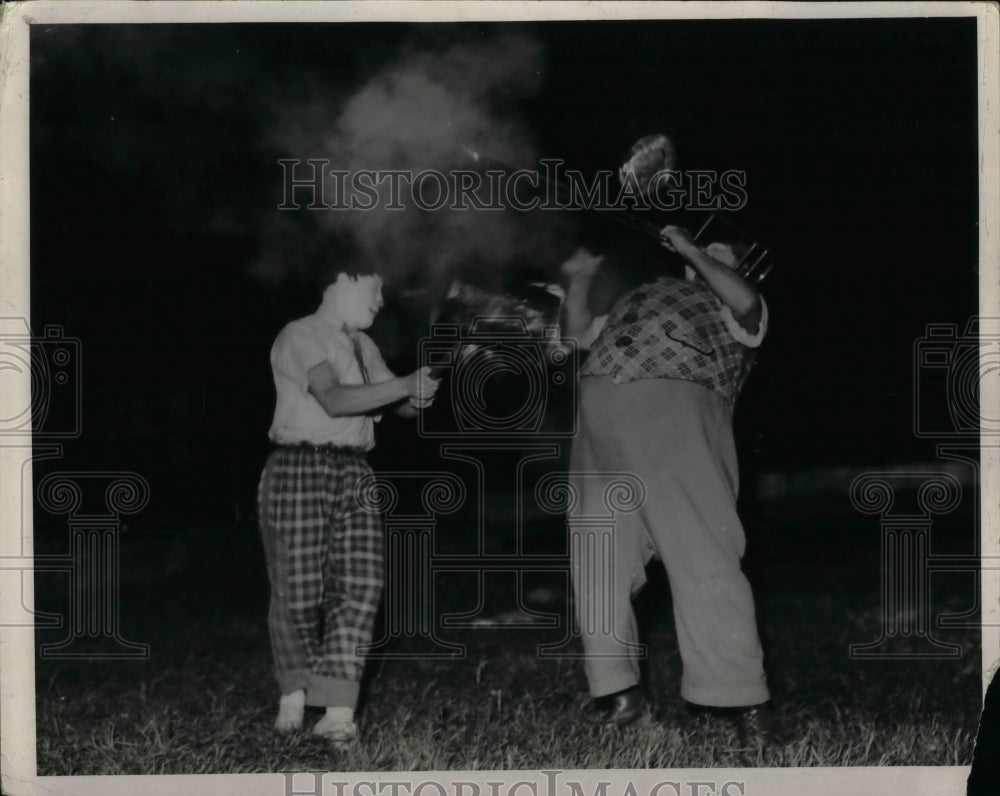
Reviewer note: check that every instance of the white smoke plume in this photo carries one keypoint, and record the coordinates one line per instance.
(422, 111)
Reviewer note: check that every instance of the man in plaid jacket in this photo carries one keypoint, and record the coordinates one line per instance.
(657, 392)
(324, 549)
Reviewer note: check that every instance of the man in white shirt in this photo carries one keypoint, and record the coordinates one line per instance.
(324, 550)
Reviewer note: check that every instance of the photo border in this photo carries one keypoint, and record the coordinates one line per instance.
(17, 650)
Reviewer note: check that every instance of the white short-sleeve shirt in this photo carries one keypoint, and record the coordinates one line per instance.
(298, 416)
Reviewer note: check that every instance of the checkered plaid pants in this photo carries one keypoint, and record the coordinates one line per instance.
(325, 560)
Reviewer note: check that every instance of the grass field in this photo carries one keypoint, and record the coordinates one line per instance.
(204, 701)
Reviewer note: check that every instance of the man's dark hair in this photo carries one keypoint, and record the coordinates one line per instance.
(337, 259)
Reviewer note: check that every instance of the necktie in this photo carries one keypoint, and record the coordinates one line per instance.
(361, 360)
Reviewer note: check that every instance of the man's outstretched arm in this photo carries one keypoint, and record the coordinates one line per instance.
(578, 320)
(345, 400)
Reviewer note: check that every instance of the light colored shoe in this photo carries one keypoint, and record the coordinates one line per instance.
(291, 711)
(341, 733)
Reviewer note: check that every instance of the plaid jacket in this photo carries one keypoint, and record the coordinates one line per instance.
(675, 329)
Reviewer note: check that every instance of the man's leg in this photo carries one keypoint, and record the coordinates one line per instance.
(354, 567)
(606, 555)
(679, 435)
(291, 529)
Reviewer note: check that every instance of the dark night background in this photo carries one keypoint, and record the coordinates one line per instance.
(153, 177)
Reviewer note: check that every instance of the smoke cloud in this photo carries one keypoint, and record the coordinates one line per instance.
(423, 110)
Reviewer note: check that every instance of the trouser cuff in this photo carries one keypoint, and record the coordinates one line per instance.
(732, 697)
(294, 680)
(332, 692)
(611, 685)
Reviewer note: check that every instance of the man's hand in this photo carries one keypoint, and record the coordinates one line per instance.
(420, 387)
(581, 265)
(677, 239)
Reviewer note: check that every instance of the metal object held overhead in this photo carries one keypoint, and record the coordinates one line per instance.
(650, 156)
(755, 264)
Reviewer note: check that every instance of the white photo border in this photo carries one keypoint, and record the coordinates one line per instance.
(17, 686)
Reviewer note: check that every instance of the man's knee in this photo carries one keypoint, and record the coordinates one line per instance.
(364, 592)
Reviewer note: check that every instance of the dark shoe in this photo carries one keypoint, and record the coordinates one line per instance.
(756, 727)
(624, 708)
